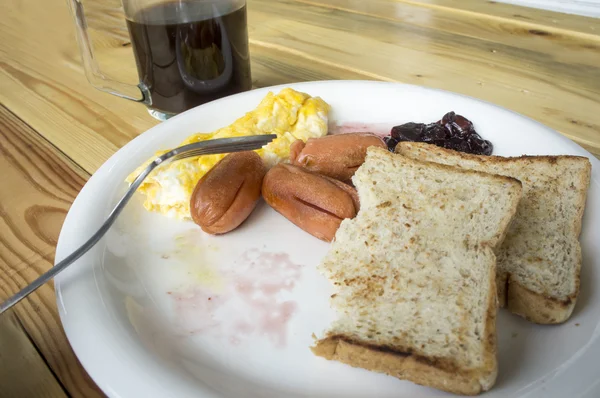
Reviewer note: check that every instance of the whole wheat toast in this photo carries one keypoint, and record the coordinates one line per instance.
(414, 273)
(540, 260)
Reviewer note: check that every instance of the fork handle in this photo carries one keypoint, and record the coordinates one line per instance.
(45, 277)
(210, 147)
(52, 272)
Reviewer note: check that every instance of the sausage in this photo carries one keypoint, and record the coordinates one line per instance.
(350, 190)
(226, 195)
(317, 204)
(336, 156)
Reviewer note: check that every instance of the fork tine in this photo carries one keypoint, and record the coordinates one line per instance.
(236, 148)
(244, 144)
(256, 141)
(212, 151)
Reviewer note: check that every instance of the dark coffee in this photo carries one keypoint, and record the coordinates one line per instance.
(188, 53)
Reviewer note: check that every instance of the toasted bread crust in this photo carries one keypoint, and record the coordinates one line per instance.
(440, 373)
(536, 307)
(406, 367)
(483, 158)
(533, 306)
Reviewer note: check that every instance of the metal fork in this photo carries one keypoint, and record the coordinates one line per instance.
(209, 147)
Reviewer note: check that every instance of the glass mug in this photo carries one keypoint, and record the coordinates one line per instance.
(187, 52)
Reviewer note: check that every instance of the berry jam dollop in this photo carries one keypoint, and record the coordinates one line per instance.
(452, 132)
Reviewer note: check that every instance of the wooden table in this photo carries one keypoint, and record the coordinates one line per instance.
(56, 130)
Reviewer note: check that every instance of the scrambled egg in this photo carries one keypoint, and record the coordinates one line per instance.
(290, 115)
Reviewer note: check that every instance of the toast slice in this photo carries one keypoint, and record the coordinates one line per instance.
(540, 259)
(414, 273)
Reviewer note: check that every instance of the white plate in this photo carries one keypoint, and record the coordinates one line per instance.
(145, 314)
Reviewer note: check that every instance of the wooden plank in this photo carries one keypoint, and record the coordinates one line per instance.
(270, 67)
(560, 95)
(42, 81)
(43, 183)
(23, 372)
(518, 37)
(590, 8)
(547, 78)
(509, 12)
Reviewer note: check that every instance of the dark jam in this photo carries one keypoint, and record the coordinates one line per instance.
(452, 132)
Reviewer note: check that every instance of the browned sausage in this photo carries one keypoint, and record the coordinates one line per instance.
(315, 203)
(350, 190)
(226, 195)
(336, 156)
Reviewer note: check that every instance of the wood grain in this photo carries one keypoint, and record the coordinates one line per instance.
(480, 51)
(27, 375)
(563, 47)
(559, 94)
(43, 183)
(508, 12)
(271, 66)
(42, 81)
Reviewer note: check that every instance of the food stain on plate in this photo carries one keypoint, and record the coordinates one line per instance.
(193, 256)
(255, 300)
(380, 129)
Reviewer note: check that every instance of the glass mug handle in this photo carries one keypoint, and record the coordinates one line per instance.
(90, 66)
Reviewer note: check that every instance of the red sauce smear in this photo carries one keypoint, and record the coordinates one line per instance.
(380, 129)
(249, 305)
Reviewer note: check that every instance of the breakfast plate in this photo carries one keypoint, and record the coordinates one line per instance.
(149, 313)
